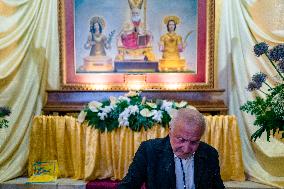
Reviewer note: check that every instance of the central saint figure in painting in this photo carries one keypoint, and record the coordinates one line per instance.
(134, 42)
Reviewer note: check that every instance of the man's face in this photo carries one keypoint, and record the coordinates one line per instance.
(135, 15)
(185, 139)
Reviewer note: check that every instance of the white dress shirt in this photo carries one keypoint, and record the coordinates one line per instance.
(188, 167)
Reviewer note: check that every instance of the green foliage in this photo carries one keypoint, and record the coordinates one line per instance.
(3, 123)
(268, 111)
(268, 117)
(4, 112)
(130, 110)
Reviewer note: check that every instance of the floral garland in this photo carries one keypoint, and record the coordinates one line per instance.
(268, 110)
(4, 112)
(130, 110)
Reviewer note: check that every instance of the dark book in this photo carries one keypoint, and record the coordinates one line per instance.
(142, 40)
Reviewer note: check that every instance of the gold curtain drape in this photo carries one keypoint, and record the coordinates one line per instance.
(242, 24)
(86, 153)
(28, 65)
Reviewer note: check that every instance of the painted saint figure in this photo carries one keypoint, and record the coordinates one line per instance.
(98, 43)
(171, 45)
(134, 39)
(134, 29)
(96, 40)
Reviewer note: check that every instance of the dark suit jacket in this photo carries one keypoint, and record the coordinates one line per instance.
(154, 164)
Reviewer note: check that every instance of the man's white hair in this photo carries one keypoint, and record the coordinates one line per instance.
(190, 116)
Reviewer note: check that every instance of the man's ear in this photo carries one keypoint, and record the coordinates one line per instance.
(170, 131)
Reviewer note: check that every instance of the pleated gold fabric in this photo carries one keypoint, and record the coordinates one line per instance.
(222, 132)
(242, 24)
(86, 153)
(29, 59)
(29, 64)
(59, 138)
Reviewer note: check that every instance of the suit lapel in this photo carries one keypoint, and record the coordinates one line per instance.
(166, 157)
(168, 164)
(199, 165)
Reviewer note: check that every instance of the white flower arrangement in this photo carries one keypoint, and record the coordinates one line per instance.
(130, 110)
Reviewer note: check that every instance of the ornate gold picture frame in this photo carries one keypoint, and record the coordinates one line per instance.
(147, 67)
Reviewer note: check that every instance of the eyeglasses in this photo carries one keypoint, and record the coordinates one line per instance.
(182, 140)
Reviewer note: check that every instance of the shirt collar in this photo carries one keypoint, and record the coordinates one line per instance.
(191, 157)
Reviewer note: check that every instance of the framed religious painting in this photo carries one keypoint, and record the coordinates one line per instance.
(137, 44)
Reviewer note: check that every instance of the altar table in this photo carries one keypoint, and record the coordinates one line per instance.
(88, 154)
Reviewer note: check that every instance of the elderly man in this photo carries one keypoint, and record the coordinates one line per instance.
(179, 161)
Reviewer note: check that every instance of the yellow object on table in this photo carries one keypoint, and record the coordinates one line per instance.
(86, 153)
(46, 171)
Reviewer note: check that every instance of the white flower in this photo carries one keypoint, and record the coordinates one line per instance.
(158, 115)
(152, 105)
(94, 106)
(133, 109)
(166, 105)
(102, 115)
(123, 123)
(81, 116)
(180, 104)
(113, 100)
(123, 98)
(123, 118)
(146, 112)
(126, 112)
(171, 112)
(132, 94)
(107, 109)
